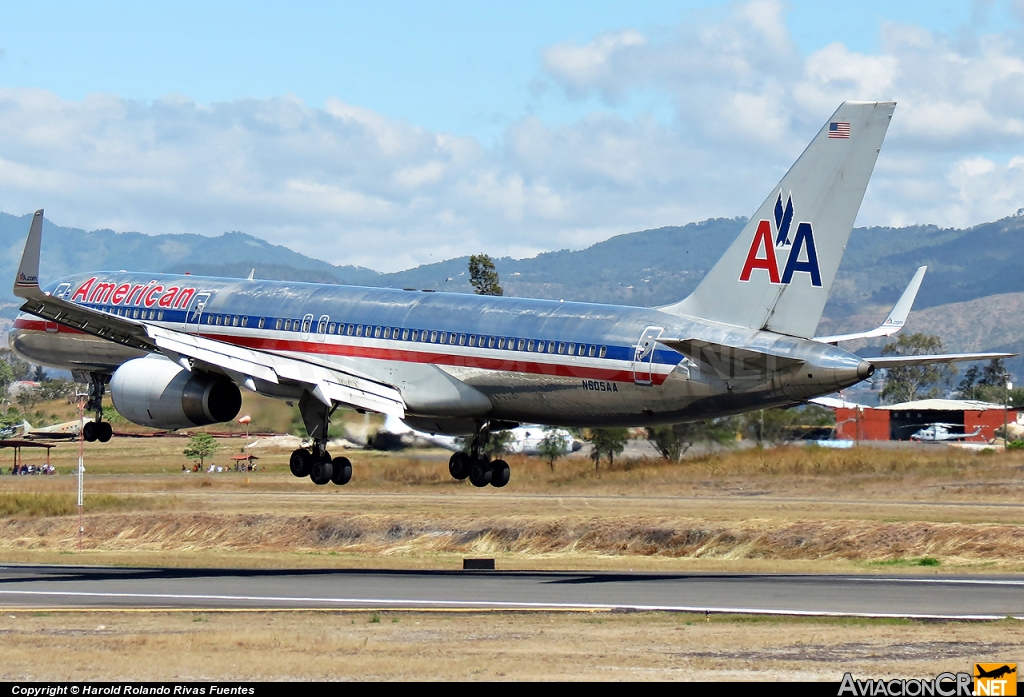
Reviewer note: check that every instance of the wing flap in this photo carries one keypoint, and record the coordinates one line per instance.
(329, 385)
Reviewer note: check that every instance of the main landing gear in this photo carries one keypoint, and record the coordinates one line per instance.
(315, 462)
(98, 430)
(477, 465)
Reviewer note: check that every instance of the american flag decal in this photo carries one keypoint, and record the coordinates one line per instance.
(839, 129)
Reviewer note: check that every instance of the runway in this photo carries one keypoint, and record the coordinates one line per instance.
(924, 597)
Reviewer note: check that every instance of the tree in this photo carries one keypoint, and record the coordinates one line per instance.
(907, 383)
(606, 441)
(483, 276)
(200, 446)
(672, 441)
(497, 443)
(789, 423)
(988, 384)
(553, 446)
(994, 374)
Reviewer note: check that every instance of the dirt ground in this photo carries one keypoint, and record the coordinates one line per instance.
(374, 646)
(790, 509)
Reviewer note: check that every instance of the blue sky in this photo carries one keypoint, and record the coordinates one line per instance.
(509, 128)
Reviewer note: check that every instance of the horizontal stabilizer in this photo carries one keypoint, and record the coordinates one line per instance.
(723, 356)
(903, 361)
(894, 322)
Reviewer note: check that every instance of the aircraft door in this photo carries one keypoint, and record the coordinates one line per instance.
(321, 328)
(194, 316)
(643, 357)
(307, 321)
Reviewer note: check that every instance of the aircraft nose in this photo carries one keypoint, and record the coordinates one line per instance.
(865, 370)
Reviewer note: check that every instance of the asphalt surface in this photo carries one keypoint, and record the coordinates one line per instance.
(30, 586)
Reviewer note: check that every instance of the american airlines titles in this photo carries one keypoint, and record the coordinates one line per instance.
(151, 294)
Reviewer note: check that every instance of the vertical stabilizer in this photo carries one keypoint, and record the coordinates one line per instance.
(778, 273)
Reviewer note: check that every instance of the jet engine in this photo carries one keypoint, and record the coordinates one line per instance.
(154, 391)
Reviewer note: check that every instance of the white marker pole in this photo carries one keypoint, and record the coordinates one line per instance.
(81, 469)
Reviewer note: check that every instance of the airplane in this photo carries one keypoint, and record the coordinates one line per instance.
(995, 672)
(940, 433)
(525, 440)
(68, 430)
(176, 350)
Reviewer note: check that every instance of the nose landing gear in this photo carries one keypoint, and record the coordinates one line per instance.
(98, 430)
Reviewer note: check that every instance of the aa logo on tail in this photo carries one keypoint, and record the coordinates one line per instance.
(762, 253)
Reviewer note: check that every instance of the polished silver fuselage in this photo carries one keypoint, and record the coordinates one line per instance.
(459, 359)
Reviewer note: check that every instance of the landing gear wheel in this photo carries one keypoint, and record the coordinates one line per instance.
(322, 469)
(301, 462)
(458, 466)
(500, 473)
(104, 432)
(341, 470)
(89, 431)
(480, 473)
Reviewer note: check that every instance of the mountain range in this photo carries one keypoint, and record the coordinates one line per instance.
(972, 296)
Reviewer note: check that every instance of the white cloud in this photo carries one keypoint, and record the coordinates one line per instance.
(349, 185)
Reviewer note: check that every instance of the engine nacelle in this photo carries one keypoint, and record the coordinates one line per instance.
(154, 391)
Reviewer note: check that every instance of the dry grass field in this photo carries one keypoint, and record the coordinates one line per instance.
(928, 509)
(374, 646)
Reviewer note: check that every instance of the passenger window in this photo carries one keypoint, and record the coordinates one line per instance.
(359, 330)
(287, 325)
(572, 349)
(490, 342)
(561, 347)
(330, 328)
(350, 329)
(245, 321)
(462, 339)
(277, 324)
(604, 351)
(501, 343)
(592, 351)
(387, 332)
(444, 337)
(262, 322)
(376, 332)
(529, 345)
(415, 334)
(521, 344)
(235, 321)
(433, 337)
(472, 339)
(160, 316)
(405, 335)
(551, 347)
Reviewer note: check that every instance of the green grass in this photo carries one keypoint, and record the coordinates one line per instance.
(900, 561)
(36, 505)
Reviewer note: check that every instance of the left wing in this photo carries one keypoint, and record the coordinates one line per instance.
(245, 366)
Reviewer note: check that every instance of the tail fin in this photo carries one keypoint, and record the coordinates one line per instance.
(778, 273)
